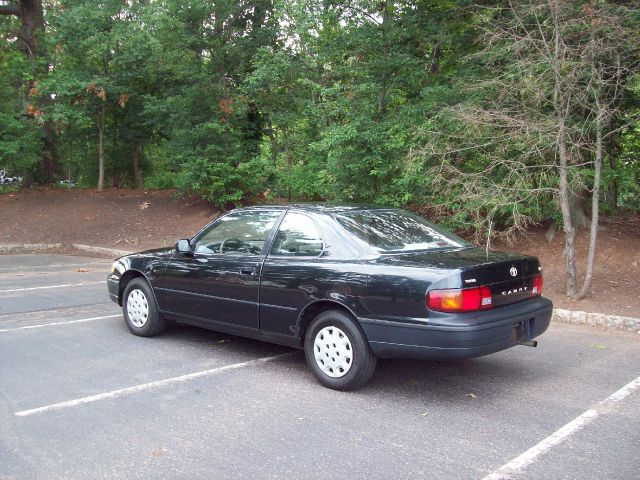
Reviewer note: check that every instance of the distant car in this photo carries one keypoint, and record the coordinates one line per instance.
(9, 180)
(348, 284)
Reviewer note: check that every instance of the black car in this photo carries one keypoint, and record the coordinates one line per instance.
(349, 284)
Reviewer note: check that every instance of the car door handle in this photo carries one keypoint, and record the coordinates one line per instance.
(247, 271)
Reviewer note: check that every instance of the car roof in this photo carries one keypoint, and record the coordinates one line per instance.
(327, 208)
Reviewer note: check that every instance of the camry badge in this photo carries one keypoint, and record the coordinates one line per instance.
(513, 271)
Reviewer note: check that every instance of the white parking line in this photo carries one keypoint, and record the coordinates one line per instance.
(146, 386)
(515, 466)
(54, 324)
(33, 268)
(51, 286)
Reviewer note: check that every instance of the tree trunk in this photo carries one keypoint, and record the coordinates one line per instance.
(32, 16)
(434, 67)
(569, 232)
(48, 160)
(382, 100)
(101, 126)
(595, 200)
(289, 157)
(137, 175)
(561, 105)
(613, 186)
(273, 142)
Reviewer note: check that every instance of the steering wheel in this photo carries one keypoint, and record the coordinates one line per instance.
(230, 242)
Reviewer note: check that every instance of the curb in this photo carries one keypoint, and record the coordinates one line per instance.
(101, 250)
(29, 247)
(36, 247)
(596, 319)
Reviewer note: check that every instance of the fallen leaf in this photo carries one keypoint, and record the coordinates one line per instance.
(598, 346)
(144, 205)
(425, 413)
(82, 270)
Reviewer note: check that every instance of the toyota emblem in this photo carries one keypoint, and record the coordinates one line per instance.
(513, 271)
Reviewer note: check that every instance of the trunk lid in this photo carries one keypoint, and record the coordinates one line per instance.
(509, 280)
(509, 276)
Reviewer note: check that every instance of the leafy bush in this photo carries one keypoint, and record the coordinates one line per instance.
(162, 180)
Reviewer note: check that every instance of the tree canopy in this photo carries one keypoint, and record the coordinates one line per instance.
(450, 107)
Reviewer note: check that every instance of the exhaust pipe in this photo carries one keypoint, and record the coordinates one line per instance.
(529, 343)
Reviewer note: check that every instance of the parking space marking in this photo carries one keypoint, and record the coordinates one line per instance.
(514, 467)
(147, 386)
(33, 268)
(55, 313)
(49, 273)
(55, 324)
(10, 290)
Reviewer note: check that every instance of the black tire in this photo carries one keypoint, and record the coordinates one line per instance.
(154, 323)
(363, 362)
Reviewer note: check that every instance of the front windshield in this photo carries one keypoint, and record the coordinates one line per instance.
(398, 231)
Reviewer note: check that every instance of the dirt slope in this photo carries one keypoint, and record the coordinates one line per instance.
(126, 219)
(135, 220)
(616, 280)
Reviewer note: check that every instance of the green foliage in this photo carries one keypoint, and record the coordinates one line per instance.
(627, 172)
(20, 144)
(20, 138)
(159, 174)
(354, 101)
(491, 157)
(6, 189)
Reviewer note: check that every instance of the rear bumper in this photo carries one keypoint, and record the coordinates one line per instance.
(472, 335)
(113, 284)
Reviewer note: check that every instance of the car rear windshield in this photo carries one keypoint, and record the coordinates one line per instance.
(398, 231)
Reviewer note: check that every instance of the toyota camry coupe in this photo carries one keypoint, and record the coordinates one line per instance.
(348, 284)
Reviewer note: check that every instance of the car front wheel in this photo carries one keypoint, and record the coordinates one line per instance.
(337, 351)
(140, 311)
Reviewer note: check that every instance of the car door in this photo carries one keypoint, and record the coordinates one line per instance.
(218, 281)
(293, 274)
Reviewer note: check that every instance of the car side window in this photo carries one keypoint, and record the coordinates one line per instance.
(237, 233)
(298, 236)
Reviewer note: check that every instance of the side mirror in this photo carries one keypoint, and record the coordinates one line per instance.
(184, 246)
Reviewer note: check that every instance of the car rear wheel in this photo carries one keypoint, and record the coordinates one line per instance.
(337, 351)
(141, 313)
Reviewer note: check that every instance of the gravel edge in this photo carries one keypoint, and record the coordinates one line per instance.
(559, 314)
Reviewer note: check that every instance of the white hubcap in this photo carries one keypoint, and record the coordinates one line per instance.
(137, 308)
(333, 352)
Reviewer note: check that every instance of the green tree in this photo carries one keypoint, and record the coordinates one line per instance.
(212, 132)
(22, 30)
(552, 83)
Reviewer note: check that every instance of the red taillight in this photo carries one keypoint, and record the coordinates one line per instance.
(459, 300)
(536, 291)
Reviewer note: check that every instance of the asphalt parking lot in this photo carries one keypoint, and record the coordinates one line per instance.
(80, 397)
